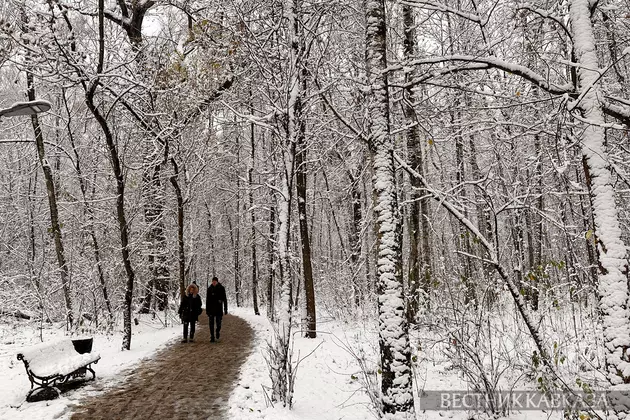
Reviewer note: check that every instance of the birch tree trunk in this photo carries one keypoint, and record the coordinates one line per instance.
(613, 256)
(280, 363)
(397, 388)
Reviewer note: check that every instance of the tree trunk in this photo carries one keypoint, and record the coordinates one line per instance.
(236, 238)
(355, 235)
(309, 290)
(463, 237)
(280, 368)
(250, 176)
(414, 149)
(271, 263)
(213, 255)
(90, 92)
(181, 258)
(613, 256)
(396, 386)
(55, 229)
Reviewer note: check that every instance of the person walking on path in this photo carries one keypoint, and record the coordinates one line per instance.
(216, 306)
(189, 311)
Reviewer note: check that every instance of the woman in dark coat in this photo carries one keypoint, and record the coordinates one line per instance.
(189, 310)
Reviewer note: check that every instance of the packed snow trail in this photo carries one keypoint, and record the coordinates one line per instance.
(183, 381)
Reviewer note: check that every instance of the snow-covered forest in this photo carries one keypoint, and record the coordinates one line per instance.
(451, 177)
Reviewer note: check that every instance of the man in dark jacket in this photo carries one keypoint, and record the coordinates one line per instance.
(216, 306)
(189, 311)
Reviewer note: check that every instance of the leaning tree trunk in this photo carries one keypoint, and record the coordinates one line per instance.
(395, 351)
(613, 256)
(90, 92)
(52, 204)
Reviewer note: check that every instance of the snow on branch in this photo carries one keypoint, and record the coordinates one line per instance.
(495, 62)
(494, 261)
(546, 15)
(441, 72)
(431, 5)
(494, 258)
(619, 112)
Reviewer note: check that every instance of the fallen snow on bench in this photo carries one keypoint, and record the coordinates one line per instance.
(58, 358)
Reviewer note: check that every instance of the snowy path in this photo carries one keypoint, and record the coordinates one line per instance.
(183, 381)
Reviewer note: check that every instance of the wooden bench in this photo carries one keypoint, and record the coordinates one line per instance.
(51, 364)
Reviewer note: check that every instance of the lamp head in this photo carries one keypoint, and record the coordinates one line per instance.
(25, 108)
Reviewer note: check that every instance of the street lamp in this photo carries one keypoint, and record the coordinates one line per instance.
(25, 108)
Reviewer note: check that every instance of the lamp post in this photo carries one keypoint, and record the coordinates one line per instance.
(32, 108)
(25, 108)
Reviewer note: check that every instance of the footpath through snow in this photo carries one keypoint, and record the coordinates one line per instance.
(184, 381)
(159, 378)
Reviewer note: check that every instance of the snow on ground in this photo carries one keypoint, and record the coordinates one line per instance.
(327, 385)
(148, 337)
(330, 383)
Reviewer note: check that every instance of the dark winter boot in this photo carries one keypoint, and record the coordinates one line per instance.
(212, 339)
(185, 340)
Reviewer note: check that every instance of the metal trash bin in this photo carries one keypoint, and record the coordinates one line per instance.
(83, 345)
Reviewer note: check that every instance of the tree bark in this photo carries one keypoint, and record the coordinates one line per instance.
(309, 289)
(613, 255)
(395, 352)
